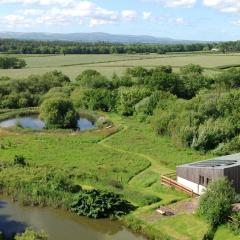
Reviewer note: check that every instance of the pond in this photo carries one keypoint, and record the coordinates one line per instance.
(34, 122)
(59, 224)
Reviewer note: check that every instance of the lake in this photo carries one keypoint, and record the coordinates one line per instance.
(59, 224)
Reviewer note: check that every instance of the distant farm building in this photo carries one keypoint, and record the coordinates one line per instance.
(215, 49)
(196, 176)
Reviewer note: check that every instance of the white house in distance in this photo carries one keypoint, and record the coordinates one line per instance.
(215, 50)
(196, 176)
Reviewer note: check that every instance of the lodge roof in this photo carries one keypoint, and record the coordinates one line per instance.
(223, 162)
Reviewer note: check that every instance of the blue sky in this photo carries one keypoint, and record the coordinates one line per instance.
(179, 19)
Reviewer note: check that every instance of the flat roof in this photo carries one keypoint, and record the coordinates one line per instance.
(216, 163)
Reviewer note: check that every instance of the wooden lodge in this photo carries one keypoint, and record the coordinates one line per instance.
(196, 176)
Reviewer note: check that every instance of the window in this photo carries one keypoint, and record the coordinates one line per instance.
(208, 180)
(201, 180)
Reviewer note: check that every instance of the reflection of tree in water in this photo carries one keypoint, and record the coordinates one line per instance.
(103, 226)
(10, 227)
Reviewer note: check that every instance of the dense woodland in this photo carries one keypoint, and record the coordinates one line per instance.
(195, 110)
(61, 47)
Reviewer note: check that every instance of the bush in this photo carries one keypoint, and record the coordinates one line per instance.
(100, 204)
(191, 69)
(11, 62)
(212, 133)
(95, 99)
(30, 234)
(19, 160)
(206, 122)
(58, 113)
(216, 203)
(93, 79)
(234, 224)
(129, 97)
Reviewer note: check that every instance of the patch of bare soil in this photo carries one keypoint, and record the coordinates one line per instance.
(186, 206)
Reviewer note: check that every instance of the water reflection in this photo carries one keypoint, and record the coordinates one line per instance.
(33, 122)
(60, 225)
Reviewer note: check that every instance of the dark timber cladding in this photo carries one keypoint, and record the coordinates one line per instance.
(204, 171)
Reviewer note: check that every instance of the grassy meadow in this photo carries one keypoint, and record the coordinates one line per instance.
(128, 158)
(72, 65)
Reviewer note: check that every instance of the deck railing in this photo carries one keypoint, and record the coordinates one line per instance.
(169, 180)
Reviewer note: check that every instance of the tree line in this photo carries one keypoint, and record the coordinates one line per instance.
(63, 47)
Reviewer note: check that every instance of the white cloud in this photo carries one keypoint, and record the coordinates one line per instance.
(146, 15)
(63, 12)
(174, 3)
(40, 2)
(13, 21)
(94, 22)
(179, 20)
(228, 6)
(128, 15)
(176, 21)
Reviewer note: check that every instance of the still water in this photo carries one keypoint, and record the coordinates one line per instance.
(59, 224)
(34, 122)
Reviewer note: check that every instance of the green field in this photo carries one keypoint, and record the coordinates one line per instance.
(72, 65)
(129, 153)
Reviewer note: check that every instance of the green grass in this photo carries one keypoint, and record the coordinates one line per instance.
(183, 227)
(224, 233)
(135, 157)
(71, 150)
(73, 65)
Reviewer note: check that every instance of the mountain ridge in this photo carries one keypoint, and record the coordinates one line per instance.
(93, 37)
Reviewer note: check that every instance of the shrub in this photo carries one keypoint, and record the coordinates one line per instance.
(129, 97)
(11, 62)
(212, 133)
(19, 160)
(216, 203)
(191, 68)
(100, 204)
(30, 234)
(95, 99)
(234, 224)
(93, 79)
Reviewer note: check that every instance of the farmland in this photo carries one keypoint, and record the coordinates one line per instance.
(72, 65)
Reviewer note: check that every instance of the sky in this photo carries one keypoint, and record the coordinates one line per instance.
(208, 20)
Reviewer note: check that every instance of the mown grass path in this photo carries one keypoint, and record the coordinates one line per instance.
(154, 165)
(104, 144)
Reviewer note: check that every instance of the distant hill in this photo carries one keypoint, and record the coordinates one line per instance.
(91, 37)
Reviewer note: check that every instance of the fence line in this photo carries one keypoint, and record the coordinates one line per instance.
(168, 181)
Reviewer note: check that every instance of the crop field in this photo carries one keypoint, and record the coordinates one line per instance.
(72, 65)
